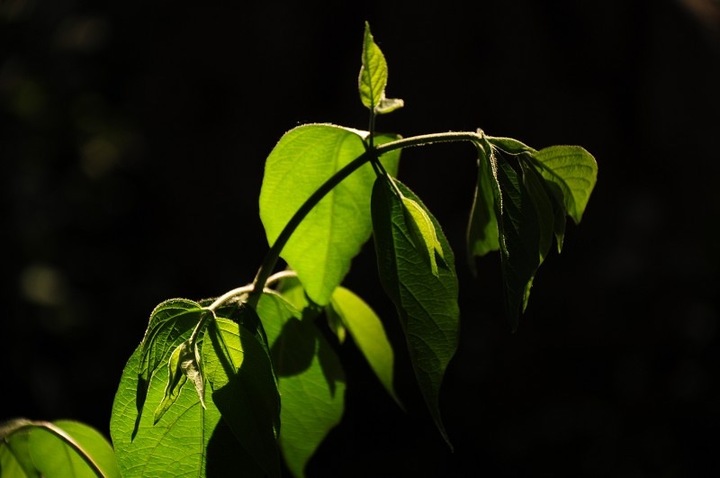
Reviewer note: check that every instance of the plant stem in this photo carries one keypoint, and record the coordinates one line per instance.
(273, 254)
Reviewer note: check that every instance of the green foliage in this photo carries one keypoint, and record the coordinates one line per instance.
(235, 384)
(424, 294)
(61, 449)
(332, 233)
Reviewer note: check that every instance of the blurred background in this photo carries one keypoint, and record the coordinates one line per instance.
(133, 137)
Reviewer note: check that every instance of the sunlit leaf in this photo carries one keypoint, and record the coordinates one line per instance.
(182, 365)
(426, 302)
(373, 78)
(322, 247)
(60, 449)
(170, 324)
(368, 333)
(573, 173)
(312, 382)
(423, 233)
(208, 441)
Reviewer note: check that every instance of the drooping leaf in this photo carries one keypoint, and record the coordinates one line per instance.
(520, 237)
(322, 247)
(63, 448)
(426, 302)
(482, 232)
(312, 381)
(367, 331)
(537, 190)
(189, 440)
(373, 78)
(573, 173)
(240, 374)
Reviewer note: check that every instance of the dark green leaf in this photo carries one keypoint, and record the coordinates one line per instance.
(520, 234)
(426, 302)
(483, 235)
(312, 382)
(239, 372)
(322, 247)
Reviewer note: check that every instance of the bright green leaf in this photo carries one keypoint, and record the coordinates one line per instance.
(373, 78)
(572, 172)
(239, 372)
(60, 449)
(422, 233)
(312, 381)
(426, 302)
(367, 331)
(322, 247)
(207, 443)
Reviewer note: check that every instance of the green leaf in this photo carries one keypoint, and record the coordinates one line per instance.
(509, 145)
(373, 78)
(426, 302)
(539, 195)
(312, 381)
(183, 364)
(423, 234)
(63, 448)
(322, 247)
(520, 233)
(169, 324)
(240, 374)
(367, 331)
(482, 232)
(207, 440)
(572, 172)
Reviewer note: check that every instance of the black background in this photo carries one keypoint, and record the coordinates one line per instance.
(133, 137)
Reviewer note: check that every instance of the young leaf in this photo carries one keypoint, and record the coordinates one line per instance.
(61, 448)
(240, 374)
(373, 78)
(184, 363)
(207, 444)
(422, 233)
(367, 331)
(170, 322)
(572, 172)
(311, 379)
(322, 247)
(426, 302)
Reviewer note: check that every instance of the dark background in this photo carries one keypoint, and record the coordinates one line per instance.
(133, 136)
